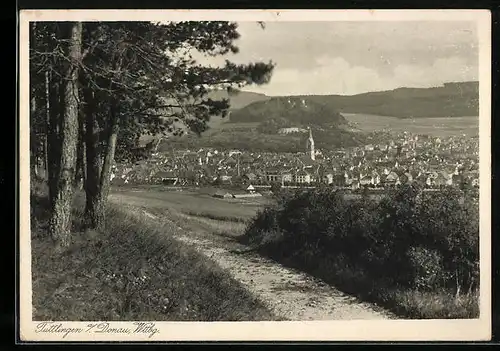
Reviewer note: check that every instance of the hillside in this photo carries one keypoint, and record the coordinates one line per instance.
(298, 111)
(246, 136)
(239, 99)
(256, 116)
(450, 100)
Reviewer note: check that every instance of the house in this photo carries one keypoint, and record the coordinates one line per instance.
(302, 177)
(348, 179)
(286, 176)
(375, 178)
(365, 180)
(475, 182)
(225, 178)
(273, 176)
(250, 189)
(328, 178)
(307, 162)
(221, 194)
(245, 195)
(278, 175)
(392, 179)
(443, 179)
(168, 178)
(249, 177)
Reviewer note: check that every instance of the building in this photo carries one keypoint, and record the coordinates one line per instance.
(310, 143)
(168, 178)
(302, 177)
(221, 194)
(392, 179)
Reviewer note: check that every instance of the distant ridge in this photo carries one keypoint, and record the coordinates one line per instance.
(237, 100)
(453, 99)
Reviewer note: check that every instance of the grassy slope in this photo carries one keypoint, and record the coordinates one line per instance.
(132, 271)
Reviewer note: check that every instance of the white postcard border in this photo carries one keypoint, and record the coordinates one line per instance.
(349, 330)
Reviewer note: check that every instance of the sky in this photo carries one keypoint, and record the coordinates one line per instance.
(355, 57)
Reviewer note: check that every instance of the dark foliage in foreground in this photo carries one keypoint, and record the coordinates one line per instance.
(132, 270)
(414, 252)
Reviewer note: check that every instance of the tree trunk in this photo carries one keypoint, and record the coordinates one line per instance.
(92, 204)
(53, 137)
(47, 123)
(109, 157)
(80, 158)
(33, 137)
(60, 220)
(96, 200)
(84, 153)
(33, 130)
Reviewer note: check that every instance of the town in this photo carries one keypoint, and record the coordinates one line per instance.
(431, 161)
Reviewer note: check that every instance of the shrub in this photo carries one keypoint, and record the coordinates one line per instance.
(409, 240)
(427, 268)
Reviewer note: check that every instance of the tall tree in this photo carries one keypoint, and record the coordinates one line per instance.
(60, 220)
(134, 78)
(46, 57)
(141, 78)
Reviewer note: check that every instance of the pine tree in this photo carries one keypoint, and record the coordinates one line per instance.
(60, 220)
(134, 78)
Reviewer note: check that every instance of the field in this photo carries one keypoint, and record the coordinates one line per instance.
(435, 126)
(201, 203)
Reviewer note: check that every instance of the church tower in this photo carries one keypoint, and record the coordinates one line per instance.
(310, 144)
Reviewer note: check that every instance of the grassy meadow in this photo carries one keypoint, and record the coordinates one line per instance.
(433, 126)
(198, 203)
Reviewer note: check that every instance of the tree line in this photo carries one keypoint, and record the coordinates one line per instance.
(96, 87)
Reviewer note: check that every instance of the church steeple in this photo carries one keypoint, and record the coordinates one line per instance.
(310, 143)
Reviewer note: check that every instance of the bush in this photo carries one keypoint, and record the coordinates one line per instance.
(409, 241)
(427, 268)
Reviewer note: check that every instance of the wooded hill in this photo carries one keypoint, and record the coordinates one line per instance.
(298, 111)
(450, 100)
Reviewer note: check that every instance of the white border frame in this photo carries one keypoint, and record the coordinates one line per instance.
(348, 330)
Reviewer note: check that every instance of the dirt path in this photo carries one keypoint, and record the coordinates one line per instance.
(290, 294)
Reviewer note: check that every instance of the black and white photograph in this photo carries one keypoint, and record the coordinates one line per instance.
(295, 174)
